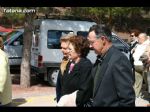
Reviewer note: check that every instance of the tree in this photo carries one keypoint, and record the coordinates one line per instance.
(119, 17)
(27, 40)
(13, 17)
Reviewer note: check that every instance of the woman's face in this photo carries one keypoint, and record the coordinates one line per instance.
(64, 48)
(73, 55)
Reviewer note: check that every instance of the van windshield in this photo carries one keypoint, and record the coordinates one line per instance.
(53, 40)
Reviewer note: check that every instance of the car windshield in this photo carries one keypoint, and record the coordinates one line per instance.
(9, 36)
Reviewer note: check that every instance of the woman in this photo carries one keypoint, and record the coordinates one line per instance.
(77, 74)
(64, 48)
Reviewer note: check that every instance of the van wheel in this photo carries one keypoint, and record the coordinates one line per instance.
(52, 76)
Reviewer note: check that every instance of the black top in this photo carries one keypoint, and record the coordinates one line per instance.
(78, 79)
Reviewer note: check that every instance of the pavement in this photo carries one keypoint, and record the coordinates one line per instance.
(48, 101)
(35, 101)
(44, 97)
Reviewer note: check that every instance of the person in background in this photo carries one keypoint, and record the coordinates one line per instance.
(5, 79)
(145, 58)
(112, 74)
(76, 78)
(143, 42)
(134, 38)
(64, 40)
(134, 33)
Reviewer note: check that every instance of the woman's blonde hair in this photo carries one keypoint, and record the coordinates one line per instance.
(66, 38)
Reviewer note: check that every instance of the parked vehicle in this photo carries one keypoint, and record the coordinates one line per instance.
(13, 47)
(45, 50)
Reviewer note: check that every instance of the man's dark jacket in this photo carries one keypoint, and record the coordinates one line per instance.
(116, 80)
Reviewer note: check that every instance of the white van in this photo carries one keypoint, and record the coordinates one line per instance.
(46, 55)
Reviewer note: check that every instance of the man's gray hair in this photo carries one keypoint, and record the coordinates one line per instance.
(101, 30)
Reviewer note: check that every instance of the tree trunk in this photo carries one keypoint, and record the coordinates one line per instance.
(25, 65)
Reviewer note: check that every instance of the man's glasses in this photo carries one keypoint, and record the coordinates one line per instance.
(92, 42)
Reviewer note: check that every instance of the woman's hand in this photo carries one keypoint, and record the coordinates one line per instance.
(68, 100)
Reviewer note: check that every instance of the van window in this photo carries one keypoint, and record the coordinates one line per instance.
(83, 33)
(53, 40)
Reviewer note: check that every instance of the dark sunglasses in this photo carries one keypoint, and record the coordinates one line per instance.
(131, 35)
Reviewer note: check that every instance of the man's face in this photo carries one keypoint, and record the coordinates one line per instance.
(133, 37)
(64, 48)
(96, 44)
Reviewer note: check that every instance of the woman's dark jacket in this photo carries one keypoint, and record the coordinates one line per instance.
(78, 79)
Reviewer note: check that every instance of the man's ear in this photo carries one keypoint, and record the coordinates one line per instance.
(103, 40)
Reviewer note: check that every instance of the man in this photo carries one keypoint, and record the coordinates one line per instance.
(113, 78)
(134, 33)
(143, 42)
(134, 38)
(64, 48)
(5, 79)
(145, 58)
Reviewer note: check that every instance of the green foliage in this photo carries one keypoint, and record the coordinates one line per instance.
(13, 17)
(120, 18)
(116, 17)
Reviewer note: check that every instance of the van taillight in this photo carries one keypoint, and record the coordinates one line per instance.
(40, 61)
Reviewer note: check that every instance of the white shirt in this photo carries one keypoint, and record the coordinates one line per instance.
(139, 50)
